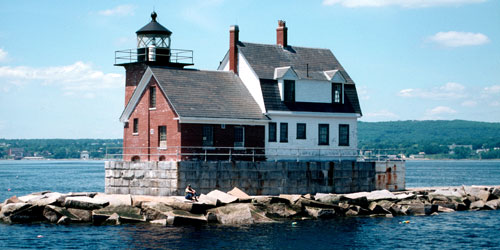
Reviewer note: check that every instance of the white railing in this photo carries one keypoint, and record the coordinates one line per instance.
(244, 154)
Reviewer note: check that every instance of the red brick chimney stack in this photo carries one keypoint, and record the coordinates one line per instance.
(282, 34)
(233, 48)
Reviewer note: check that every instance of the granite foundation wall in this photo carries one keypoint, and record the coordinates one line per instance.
(255, 178)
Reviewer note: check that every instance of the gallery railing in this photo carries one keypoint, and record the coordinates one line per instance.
(245, 154)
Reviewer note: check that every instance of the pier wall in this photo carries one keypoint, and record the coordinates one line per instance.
(167, 178)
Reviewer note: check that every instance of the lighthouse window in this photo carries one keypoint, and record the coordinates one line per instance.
(152, 97)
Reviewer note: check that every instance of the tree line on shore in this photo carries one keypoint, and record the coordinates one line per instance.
(475, 140)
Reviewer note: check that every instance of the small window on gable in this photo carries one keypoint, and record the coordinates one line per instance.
(337, 93)
(289, 91)
(136, 126)
(152, 97)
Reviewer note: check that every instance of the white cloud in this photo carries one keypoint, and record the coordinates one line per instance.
(495, 89)
(441, 110)
(458, 39)
(469, 103)
(120, 10)
(3, 55)
(400, 3)
(382, 114)
(77, 77)
(450, 90)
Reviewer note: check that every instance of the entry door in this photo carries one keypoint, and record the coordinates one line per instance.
(239, 137)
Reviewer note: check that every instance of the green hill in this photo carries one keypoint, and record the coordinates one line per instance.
(431, 137)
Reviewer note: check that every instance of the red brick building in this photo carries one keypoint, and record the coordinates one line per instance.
(174, 113)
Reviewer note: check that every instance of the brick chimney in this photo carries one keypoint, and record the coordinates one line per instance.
(233, 48)
(282, 34)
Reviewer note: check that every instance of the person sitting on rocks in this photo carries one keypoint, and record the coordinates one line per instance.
(191, 193)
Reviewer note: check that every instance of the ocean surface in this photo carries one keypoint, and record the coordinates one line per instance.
(459, 230)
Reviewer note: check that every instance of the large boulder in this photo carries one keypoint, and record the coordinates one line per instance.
(320, 213)
(477, 205)
(115, 199)
(22, 214)
(280, 210)
(373, 196)
(84, 202)
(377, 208)
(82, 214)
(181, 217)
(491, 205)
(328, 198)
(479, 193)
(13, 208)
(445, 209)
(46, 199)
(361, 201)
(54, 213)
(224, 198)
(415, 209)
(495, 193)
(153, 210)
(237, 214)
(242, 196)
(127, 214)
(292, 198)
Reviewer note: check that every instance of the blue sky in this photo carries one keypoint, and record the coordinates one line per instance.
(410, 59)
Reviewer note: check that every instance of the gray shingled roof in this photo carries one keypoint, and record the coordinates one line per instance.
(207, 94)
(264, 58)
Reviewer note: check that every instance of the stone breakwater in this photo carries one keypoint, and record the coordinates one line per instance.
(235, 207)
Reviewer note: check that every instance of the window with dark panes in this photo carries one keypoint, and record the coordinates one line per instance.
(323, 134)
(152, 97)
(239, 136)
(301, 131)
(272, 132)
(336, 93)
(208, 135)
(343, 134)
(162, 136)
(136, 126)
(283, 132)
(289, 91)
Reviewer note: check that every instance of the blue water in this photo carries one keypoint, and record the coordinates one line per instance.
(459, 230)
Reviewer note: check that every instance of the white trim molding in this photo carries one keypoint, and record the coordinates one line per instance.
(203, 120)
(311, 114)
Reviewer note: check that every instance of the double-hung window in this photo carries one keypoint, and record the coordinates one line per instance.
(343, 134)
(272, 132)
(162, 136)
(323, 134)
(283, 132)
(301, 131)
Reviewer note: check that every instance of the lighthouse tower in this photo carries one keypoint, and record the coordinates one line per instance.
(153, 48)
